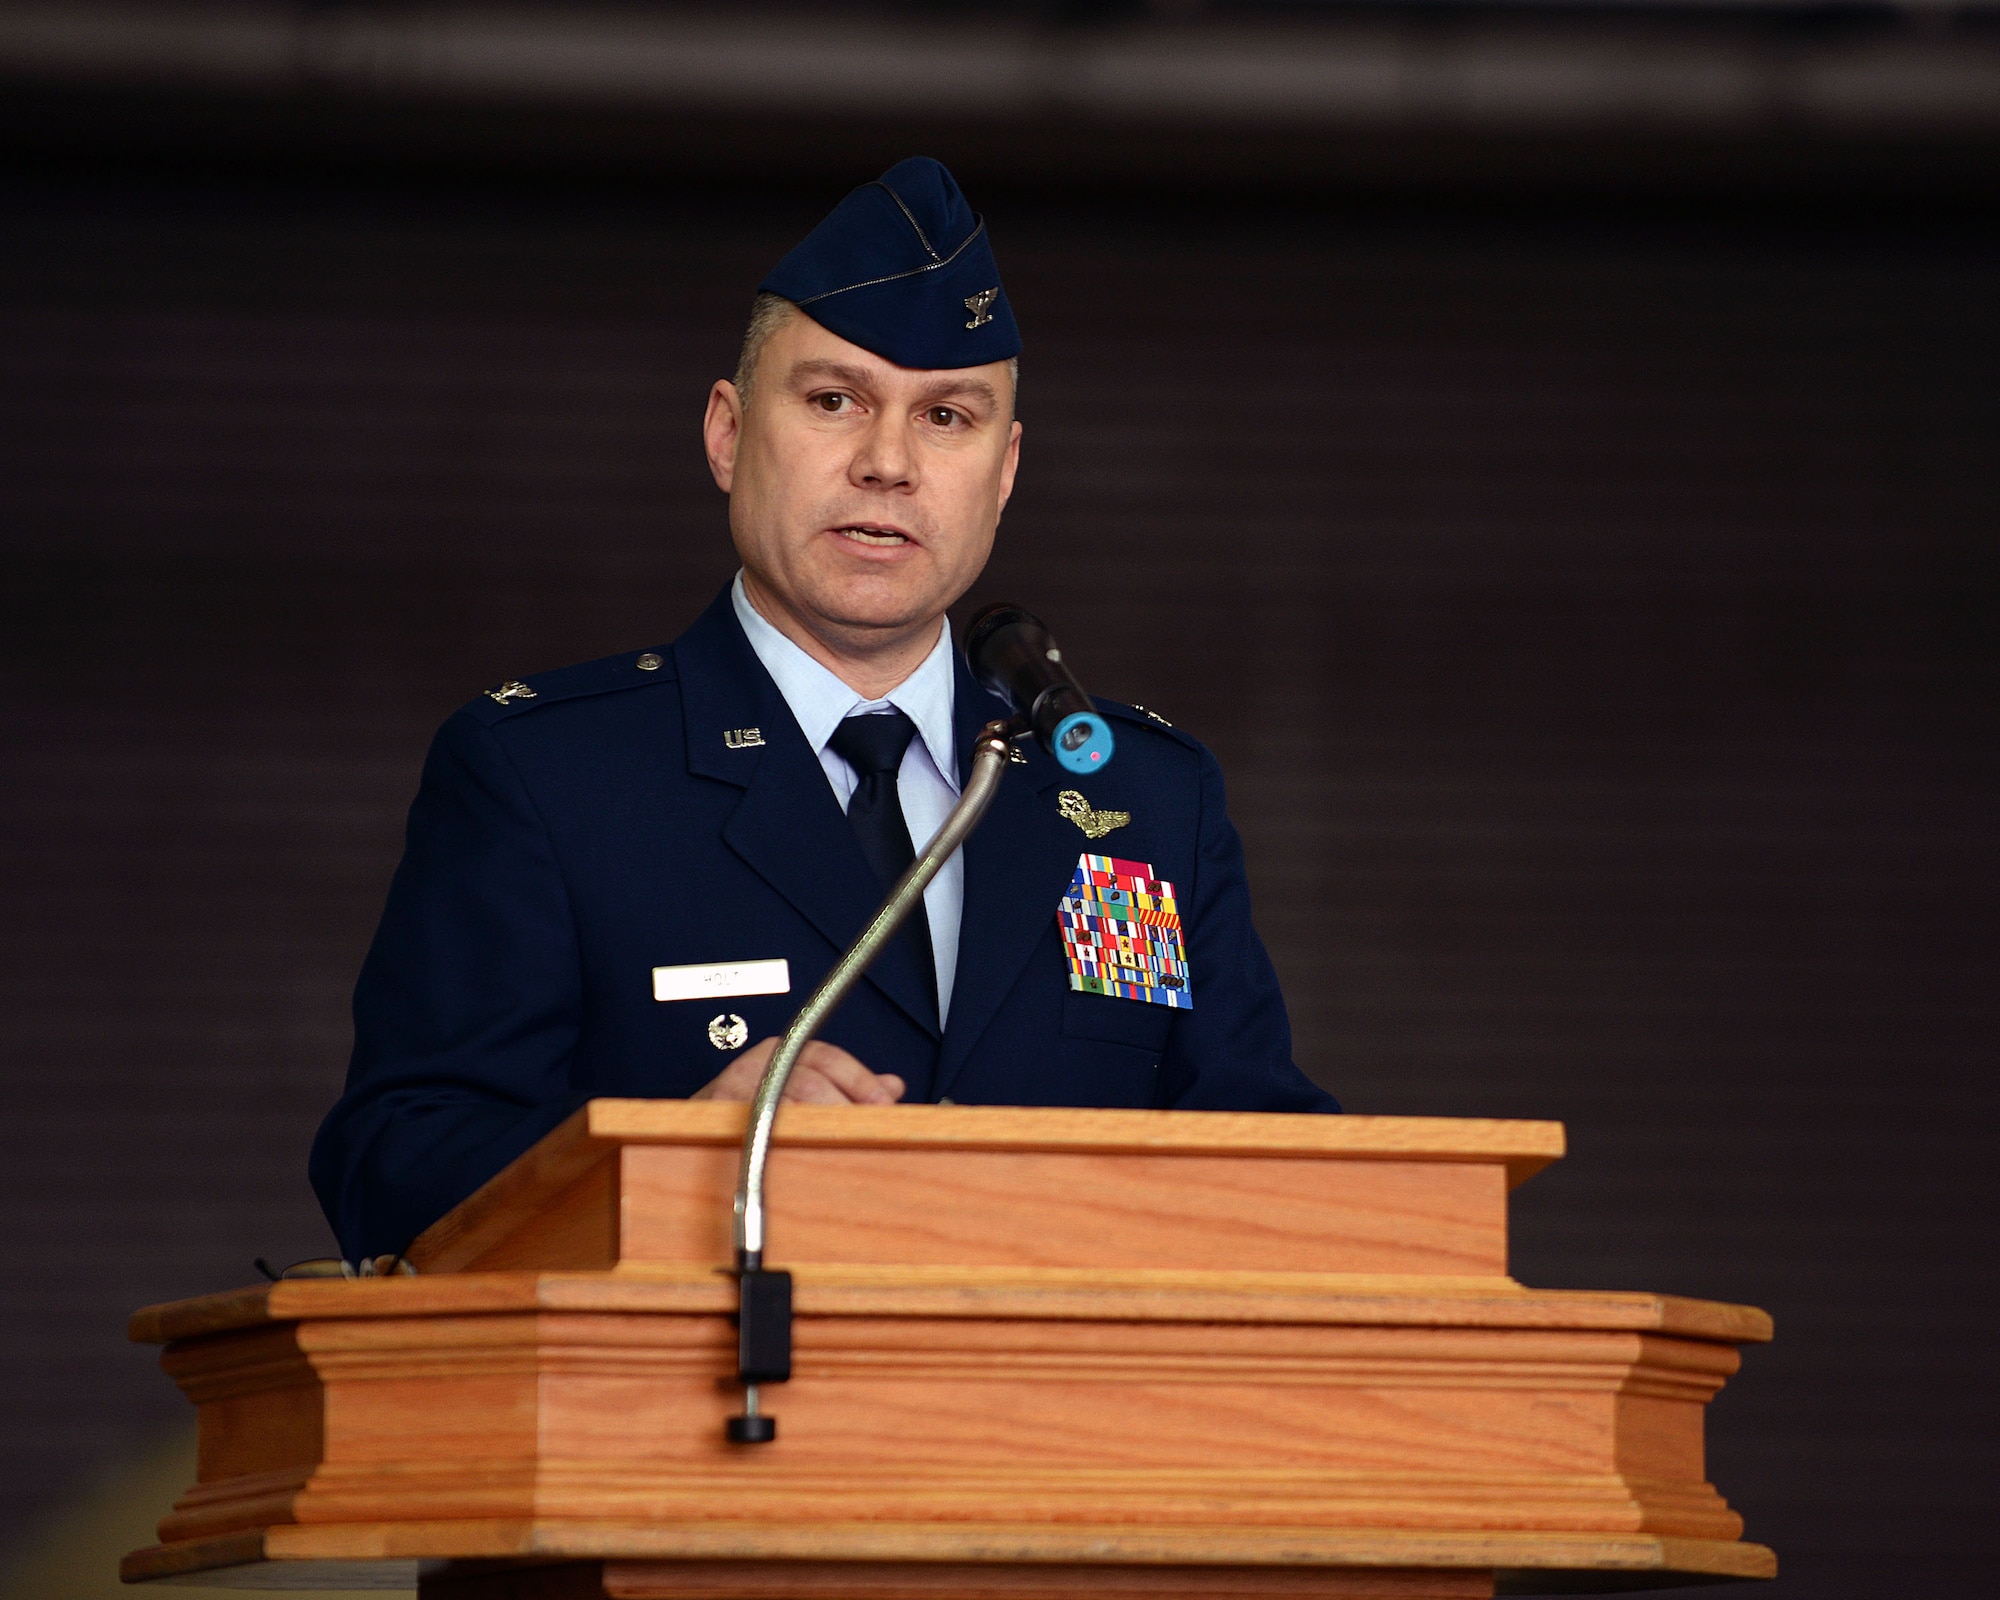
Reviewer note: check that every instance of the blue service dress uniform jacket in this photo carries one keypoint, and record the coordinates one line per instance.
(562, 846)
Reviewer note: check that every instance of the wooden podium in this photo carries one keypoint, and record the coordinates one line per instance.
(1040, 1355)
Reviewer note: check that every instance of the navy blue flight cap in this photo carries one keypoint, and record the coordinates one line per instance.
(903, 267)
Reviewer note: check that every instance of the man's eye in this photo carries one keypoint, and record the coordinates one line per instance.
(943, 416)
(830, 402)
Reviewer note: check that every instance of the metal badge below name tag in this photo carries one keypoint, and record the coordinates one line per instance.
(720, 982)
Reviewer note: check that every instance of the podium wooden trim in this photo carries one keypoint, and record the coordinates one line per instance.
(1039, 1353)
(634, 1182)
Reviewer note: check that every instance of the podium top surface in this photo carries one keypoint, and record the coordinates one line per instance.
(1524, 1147)
(1000, 1185)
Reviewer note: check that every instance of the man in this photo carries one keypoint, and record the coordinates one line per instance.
(619, 874)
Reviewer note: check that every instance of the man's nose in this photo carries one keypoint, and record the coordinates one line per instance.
(886, 458)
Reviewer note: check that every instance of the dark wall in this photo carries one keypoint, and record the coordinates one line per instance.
(1595, 617)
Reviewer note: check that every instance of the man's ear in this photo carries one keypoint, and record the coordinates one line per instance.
(721, 428)
(1009, 464)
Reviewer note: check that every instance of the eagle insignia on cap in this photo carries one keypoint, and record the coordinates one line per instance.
(981, 306)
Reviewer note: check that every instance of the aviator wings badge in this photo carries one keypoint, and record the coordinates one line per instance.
(1095, 824)
(981, 306)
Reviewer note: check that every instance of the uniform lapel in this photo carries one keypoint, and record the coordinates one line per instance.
(1018, 862)
(787, 828)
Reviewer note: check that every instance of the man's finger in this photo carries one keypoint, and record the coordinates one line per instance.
(738, 1080)
(814, 1088)
(825, 1075)
(850, 1076)
(810, 1084)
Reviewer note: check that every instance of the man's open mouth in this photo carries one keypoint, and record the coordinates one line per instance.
(869, 533)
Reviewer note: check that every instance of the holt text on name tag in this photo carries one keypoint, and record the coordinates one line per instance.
(719, 981)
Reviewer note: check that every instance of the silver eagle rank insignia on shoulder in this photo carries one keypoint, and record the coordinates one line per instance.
(512, 689)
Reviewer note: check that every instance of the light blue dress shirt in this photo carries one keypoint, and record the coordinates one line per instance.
(927, 781)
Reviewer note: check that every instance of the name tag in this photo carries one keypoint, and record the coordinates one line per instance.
(720, 982)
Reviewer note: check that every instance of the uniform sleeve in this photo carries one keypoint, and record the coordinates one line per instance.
(466, 1013)
(1233, 1050)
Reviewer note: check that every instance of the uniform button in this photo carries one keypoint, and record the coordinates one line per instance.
(648, 662)
(946, 1100)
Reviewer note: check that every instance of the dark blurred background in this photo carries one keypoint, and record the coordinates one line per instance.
(1550, 452)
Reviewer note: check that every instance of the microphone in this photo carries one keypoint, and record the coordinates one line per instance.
(1012, 654)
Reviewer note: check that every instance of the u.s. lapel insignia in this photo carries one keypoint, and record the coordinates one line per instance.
(1095, 824)
(1017, 755)
(981, 307)
(1121, 933)
(512, 689)
(742, 738)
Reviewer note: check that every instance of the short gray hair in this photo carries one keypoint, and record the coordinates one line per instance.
(770, 312)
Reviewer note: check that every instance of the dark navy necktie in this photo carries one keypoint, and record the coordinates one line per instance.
(873, 745)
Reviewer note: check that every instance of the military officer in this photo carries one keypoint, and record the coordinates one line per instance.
(619, 875)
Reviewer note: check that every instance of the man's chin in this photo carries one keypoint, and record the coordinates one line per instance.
(876, 604)
(860, 624)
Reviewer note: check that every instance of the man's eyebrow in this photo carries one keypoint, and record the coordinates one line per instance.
(822, 368)
(943, 389)
(974, 388)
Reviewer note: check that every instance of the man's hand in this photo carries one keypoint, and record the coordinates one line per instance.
(825, 1074)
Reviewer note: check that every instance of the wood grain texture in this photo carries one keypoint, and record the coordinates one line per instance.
(1027, 1341)
(651, 1181)
(1513, 1415)
(578, 1225)
(1526, 1145)
(1125, 1296)
(403, 1546)
(1089, 1209)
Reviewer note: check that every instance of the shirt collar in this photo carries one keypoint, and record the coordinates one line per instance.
(819, 700)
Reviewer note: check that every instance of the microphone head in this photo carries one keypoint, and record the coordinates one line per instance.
(1082, 742)
(999, 640)
(1012, 653)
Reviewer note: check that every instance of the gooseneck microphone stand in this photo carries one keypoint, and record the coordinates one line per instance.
(764, 1301)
